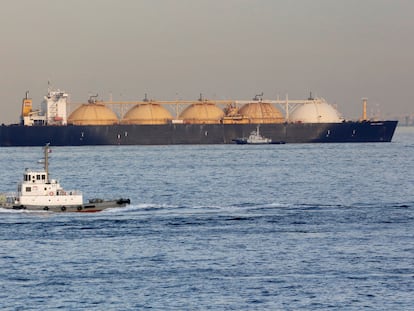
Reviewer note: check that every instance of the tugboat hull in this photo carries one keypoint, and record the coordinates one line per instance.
(96, 205)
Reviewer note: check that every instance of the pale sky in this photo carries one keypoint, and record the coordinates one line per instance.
(341, 50)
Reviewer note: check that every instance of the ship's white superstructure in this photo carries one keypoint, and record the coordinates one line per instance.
(56, 102)
(53, 110)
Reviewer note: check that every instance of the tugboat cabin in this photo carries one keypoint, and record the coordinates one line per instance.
(36, 188)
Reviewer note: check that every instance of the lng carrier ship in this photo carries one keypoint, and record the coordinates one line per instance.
(150, 122)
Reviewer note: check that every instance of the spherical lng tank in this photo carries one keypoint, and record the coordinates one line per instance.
(148, 113)
(261, 112)
(317, 111)
(93, 114)
(202, 113)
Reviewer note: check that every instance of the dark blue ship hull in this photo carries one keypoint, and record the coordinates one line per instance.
(171, 134)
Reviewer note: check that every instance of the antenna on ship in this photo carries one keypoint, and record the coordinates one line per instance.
(145, 98)
(49, 87)
(310, 96)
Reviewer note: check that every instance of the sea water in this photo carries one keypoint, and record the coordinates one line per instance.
(220, 227)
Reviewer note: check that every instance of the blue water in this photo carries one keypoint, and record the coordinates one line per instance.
(277, 227)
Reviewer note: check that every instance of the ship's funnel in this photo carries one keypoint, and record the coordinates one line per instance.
(26, 106)
(364, 109)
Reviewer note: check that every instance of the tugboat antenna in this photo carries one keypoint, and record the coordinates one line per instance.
(46, 161)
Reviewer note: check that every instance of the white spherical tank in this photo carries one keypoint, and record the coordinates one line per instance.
(317, 111)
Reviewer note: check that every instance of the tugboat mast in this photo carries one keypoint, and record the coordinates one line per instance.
(46, 161)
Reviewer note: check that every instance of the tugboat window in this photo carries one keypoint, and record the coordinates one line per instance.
(28, 189)
(38, 177)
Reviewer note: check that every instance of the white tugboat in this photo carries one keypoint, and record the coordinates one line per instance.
(255, 139)
(38, 192)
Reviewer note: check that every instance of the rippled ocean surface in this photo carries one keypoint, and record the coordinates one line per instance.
(275, 227)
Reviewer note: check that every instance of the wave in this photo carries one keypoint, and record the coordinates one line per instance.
(21, 211)
(238, 207)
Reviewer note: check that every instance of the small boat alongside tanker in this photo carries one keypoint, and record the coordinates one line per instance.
(256, 139)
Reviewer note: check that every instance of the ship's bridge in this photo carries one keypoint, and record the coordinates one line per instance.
(35, 177)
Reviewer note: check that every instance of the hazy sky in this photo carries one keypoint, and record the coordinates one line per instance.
(341, 50)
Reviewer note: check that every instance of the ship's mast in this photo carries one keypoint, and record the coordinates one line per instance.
(46, 161)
